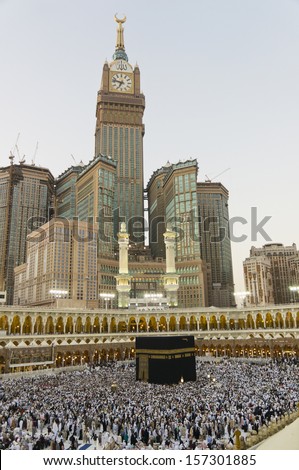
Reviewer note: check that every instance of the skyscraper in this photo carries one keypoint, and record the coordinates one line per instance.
(215, 242)
(119, 134)
(26, 193)
(172, 197)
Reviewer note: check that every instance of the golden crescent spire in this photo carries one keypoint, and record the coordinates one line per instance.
(120, 43)
(123, 20)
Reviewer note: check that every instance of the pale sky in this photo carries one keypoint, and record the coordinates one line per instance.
(220, 78)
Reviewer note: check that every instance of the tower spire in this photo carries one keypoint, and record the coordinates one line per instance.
(120, 44)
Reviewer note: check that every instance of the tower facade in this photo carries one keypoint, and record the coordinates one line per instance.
(280, 258)
(119, 134)
(215, 242)
(172, 201)
(258, 280)
(26, 193)
(61, 266)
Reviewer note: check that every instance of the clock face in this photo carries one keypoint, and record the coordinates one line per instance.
(121, 82)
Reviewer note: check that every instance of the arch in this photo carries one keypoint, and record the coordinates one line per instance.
(88, 327)
(69, 325)
(4, 323)
(289, 320)
(172, 323)
(213, 323)
(193, 323)
(259, 321)
(105, 325)
(227, 350)
(232, 324)
(241, 324)
(104, 355)
(183, 323)
(38, 328)
(297, 320)
(112, 325)
(250, 322)
(59, 360)
(239, 350)
(27, 326)
(223, 323)
(203, 324)
(118, 354)
(79, 325)
(269, 320)
(204, 349)
(122, 326)
(77, 358)
(68, 358)
(59, 326)
(96, 327)
(152, 324)
(127, 353)
(162, 325)
(111, 354)
(277, 352)
(132, 324)
(16, 325)
(278, 320)
(96, 356)
(85, 359)
(49, 329)
(142, 325)
(2, 364)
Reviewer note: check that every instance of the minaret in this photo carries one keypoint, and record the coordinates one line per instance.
(171, 279)
(123, 279)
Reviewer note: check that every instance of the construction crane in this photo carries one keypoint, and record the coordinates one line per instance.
(34, 155)
(15, 147)
(21, 160)
(208, 180)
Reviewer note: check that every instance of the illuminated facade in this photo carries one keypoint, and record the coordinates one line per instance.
(56, 337)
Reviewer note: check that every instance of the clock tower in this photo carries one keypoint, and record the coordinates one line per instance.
(119, 135)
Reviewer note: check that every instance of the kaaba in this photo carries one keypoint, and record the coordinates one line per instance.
(165, 359)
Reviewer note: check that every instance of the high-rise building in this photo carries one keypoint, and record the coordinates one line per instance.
(215, 242)
(119, 134)
(108, 192)
(65, 192)
(172, 201)
(26, 194)
(95, 191)
(280, 257)
(61, 266)
(258, 280)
